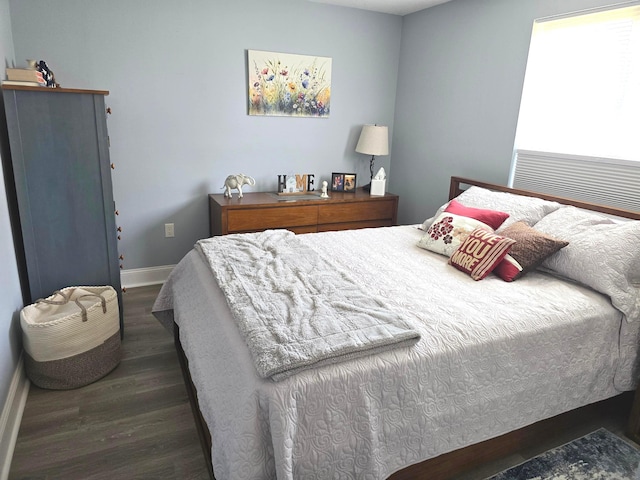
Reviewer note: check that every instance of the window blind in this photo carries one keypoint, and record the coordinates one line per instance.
(611, 182)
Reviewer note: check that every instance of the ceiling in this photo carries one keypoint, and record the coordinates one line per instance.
(395, 7)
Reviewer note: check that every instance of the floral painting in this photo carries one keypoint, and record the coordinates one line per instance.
(285, 84)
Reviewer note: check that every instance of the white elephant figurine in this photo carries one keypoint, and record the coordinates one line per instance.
(236, 182)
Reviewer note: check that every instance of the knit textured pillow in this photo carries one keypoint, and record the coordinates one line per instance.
(531, 249)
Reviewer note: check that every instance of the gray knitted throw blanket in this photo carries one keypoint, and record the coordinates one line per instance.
(294, 308)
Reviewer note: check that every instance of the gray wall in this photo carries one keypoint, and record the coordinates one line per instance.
(451, 75)
(10, 295)
(177, 76)
(462, 68)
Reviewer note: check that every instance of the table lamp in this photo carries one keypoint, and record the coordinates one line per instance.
(374, 140)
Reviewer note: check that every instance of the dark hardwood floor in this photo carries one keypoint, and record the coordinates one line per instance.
(136, 422)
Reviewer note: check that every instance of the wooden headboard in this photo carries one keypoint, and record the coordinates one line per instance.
(455, 189)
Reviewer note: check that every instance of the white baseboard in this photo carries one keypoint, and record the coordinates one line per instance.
(140, 277)
(11, 417)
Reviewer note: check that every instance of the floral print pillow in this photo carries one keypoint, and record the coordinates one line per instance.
(448, 231)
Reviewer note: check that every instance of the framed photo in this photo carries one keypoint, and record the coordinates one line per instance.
(343, 182)
(350, 182)
(337, 182)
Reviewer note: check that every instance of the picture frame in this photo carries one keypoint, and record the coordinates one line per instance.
(288, 84)
(350, 183)
(337, 182)
(343, 182)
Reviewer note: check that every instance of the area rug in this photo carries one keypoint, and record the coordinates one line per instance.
(600, 455)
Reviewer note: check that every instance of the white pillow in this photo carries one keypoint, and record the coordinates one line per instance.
(602, 254)
(519, 207)
(448, 231)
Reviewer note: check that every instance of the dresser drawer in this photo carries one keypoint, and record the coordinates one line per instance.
(256, 219)
(258, 211)
(356, 212)
(328, 227)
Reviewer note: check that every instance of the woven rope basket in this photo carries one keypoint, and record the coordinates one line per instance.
(71, 338)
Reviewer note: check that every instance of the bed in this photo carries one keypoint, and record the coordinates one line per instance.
(477, 357)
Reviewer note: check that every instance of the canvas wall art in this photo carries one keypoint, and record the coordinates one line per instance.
(285, 84)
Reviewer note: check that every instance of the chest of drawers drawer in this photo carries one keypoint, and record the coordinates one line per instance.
(257, 219)
(261, 211)
(356, 212)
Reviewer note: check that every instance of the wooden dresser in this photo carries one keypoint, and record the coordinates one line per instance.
(255, 212)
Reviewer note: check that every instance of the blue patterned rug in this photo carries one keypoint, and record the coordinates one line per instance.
(600, 455)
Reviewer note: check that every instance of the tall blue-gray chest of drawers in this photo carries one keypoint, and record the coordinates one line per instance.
(60, 191)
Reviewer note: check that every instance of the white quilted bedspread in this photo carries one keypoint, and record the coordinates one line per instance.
(493, 357)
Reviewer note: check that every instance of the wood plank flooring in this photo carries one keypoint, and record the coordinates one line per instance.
(136, 422)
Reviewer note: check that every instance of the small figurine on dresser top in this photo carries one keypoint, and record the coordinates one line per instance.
(324, 194)
(47, 73)
(236, 182)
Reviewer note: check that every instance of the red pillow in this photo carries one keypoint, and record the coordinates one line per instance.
(480, 253)
(493, 218)
(508, 269)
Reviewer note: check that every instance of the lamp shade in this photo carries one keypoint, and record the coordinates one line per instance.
(374, 140)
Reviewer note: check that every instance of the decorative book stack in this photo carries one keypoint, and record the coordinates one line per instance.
(24, 76)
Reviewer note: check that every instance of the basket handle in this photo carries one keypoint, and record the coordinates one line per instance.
(84, 309)
(77, 300)
(57, 302)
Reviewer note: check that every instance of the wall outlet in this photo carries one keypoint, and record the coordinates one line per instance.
(168, 230)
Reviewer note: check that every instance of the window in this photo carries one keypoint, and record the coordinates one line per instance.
(580, 108)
